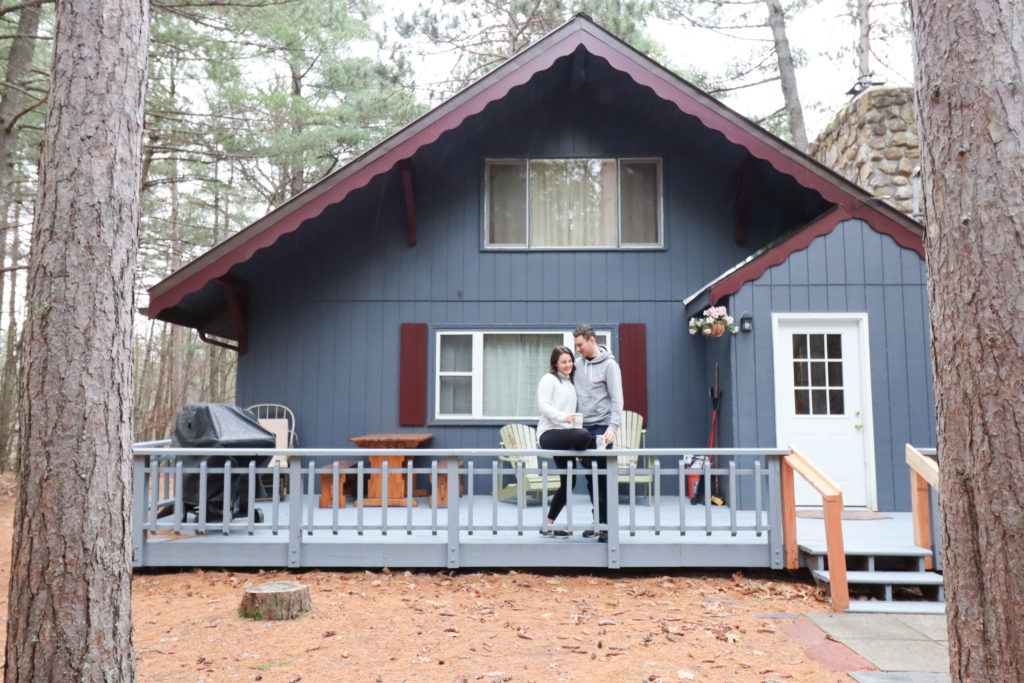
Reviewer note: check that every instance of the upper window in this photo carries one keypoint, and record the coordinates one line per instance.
(494, 375)
(573, 203)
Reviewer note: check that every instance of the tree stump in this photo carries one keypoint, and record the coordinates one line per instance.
(275, 601)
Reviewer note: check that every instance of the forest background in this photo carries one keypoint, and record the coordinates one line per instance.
(251, 101)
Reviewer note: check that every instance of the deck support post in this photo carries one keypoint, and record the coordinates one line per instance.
(454, 498)
(139, 490)
(295, 512)
(776, 538)
(788, 497)
(612, 484)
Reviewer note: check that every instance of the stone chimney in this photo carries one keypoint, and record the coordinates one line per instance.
(873, 142)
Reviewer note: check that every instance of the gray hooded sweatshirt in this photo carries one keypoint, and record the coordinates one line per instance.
(599, 389)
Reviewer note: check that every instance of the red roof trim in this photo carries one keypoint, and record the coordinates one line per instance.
(518, 70)
(333, 192)
(731, 283)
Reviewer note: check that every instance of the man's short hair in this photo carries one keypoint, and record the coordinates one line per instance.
(585, 331)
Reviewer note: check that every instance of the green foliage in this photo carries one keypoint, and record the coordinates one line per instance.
(481, 34)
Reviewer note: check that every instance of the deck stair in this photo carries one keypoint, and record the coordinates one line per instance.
(885, 573)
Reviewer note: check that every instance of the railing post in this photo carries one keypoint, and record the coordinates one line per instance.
(138, 511)
(612, 486)
(789, 514)
(295, 511)
(453, 511)
(833, 513)
(920, 509)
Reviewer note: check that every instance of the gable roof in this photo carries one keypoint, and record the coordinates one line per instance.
(579, 32)
(773, 254)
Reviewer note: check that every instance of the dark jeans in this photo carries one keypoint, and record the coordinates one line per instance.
(563, 440)
(601, 504)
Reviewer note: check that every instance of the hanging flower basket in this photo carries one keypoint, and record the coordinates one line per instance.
(713, 322)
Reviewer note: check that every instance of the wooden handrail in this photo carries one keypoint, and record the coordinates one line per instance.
(924, 471)
(832, 508)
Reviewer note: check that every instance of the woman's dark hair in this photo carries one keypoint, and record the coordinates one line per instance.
(557, 353)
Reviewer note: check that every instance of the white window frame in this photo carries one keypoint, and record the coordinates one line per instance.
(620, 245)
(478, 365)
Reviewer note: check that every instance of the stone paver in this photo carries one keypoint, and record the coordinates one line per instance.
(900, 648)
(830, 654)
(898, 677)
(856, 625)
(901, 655)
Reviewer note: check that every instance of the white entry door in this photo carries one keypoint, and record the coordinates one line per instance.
(823, 401)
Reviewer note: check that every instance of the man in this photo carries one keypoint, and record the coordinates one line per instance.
(599, 397)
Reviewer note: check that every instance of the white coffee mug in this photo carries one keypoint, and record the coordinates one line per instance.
(577, 420)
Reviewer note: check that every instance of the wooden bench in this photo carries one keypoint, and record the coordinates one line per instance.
(327, 483)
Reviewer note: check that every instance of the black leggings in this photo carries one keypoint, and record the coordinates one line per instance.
(563, 440)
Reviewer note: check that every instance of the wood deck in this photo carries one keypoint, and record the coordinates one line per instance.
(476, 529)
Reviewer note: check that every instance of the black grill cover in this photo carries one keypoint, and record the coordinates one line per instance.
(218, 425)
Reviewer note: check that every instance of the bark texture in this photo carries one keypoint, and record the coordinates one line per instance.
(69, 614)
(787, 74)
(971, 120)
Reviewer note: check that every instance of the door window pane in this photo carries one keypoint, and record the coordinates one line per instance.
(835, 346)
(802, 402)
(817, 374)
(835, 374)
(835, 402)
(800, 375)
(819, 402)
(799, 346)
(817, 345)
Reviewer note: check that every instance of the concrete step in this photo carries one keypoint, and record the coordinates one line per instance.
(885, 578)
(896, 607)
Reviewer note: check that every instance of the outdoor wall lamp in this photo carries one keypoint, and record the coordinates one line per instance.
(746, 323)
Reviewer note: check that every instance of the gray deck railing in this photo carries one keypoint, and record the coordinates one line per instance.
(295, 524)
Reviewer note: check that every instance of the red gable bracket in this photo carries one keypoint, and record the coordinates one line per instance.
(756, 267)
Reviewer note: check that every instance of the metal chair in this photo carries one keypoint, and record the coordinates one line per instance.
(280, 421)
(520, 436)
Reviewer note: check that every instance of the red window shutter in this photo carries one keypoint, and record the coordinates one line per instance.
(633, 361)
(412, 372)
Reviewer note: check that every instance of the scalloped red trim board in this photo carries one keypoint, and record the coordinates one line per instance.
(826, 224)
(516, 71)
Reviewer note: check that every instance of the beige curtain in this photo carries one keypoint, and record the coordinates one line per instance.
(573, 203)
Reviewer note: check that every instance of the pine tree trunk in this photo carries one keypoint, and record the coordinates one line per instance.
(787, 74)
(11, 366)
(12, 103)
(69, 614)
(970, 100)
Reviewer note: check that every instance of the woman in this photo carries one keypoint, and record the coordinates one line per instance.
(556, 397)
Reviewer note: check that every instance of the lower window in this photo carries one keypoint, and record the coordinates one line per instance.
(493, 375)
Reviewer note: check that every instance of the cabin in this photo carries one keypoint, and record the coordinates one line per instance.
(423, 284)
(419, 290)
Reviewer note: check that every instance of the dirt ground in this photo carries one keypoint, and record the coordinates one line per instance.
(397, 625)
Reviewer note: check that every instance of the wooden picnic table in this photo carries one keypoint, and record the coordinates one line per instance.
(396, 478)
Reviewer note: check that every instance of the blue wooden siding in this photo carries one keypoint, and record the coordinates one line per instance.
(857, 270)
(328, 300)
